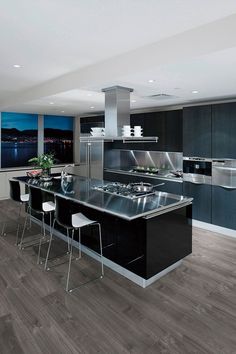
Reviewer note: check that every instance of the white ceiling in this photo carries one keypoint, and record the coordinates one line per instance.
(71, 49)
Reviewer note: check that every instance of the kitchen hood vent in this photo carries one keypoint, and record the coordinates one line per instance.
(117, 114)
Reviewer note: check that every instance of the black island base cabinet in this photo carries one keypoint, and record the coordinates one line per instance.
(146, 235)
(145, 246)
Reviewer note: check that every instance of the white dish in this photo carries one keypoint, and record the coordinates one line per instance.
(97, 134)
(138, 135)
(97, 129)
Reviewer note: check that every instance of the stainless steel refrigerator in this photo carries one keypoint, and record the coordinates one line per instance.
(91, 158)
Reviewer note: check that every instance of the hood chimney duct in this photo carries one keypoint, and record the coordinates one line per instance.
(117, 109)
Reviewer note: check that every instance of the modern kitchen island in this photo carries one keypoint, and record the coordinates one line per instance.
(144, 236)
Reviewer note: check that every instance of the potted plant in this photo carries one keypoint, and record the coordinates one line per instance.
(45, 162)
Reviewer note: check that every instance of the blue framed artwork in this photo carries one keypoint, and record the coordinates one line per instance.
(58, 137)
(19, 138)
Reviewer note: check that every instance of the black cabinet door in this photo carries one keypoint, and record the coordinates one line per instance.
(174, 131)
(201, 194)
(224, 207)
(154, 125)
(224, 130)
(167, 125)
(197, 131)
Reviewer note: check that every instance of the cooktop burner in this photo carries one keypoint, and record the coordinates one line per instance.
(122, 190)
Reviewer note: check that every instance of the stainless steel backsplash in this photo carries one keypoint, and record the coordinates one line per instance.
(123, 159)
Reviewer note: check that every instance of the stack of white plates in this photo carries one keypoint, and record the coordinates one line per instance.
(138, 131)
(97, 131)
(127, 131)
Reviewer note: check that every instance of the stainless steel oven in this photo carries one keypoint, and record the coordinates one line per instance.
(197, 170)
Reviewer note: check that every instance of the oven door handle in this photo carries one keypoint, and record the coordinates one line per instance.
(195, 182)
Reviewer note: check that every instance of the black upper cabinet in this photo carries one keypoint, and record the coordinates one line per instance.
(174, 130)
(166, 125)
(224, 130)
(197, 131)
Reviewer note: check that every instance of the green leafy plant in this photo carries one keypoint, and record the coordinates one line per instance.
(44, 161)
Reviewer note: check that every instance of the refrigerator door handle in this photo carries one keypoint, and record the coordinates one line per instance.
(89, 162)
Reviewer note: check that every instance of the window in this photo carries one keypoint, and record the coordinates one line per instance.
(19, 140)
(58, 137)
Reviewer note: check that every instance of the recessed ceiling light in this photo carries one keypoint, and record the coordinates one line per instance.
(133, 101)
(89, 94)
(62, 111)
(151, 80)
(17, 66)
(92, 107)
(195, 91)
(51, 102)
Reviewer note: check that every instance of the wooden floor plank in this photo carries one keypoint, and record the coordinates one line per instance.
(190, 310)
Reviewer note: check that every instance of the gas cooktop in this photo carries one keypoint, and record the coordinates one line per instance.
(122, 190)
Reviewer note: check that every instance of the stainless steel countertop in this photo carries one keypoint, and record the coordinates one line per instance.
(163, 174)
(124, 208)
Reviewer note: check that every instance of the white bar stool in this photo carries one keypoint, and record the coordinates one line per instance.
(65, 218)
(22, 199)
(37, 205)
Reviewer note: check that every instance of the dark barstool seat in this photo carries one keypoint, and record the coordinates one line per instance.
(16, 196)
(64, 217)
(37, 204)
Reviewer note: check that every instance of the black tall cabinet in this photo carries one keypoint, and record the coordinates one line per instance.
(224, 130)
(197, 131)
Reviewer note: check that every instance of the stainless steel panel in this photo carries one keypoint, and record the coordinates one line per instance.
(224, 173)
(207, 159)
(83, 153)
(197, 178)
(117, 109)
(131, 158)
(125, 208)
(91, 159)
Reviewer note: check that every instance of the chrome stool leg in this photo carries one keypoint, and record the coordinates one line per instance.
(79, 245)
(3, 228)
(18, 225)
(101, 254)
(70, 259)
(49, 245)
(43, 235)
(25, 224)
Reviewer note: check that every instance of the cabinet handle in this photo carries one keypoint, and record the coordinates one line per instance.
(227, 187)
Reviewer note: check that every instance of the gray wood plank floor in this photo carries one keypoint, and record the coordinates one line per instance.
(191, 310)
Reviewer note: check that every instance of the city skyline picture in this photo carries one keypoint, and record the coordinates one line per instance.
(58, 137)
(19, 135)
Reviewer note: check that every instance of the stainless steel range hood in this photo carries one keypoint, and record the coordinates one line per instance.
(117, 114)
